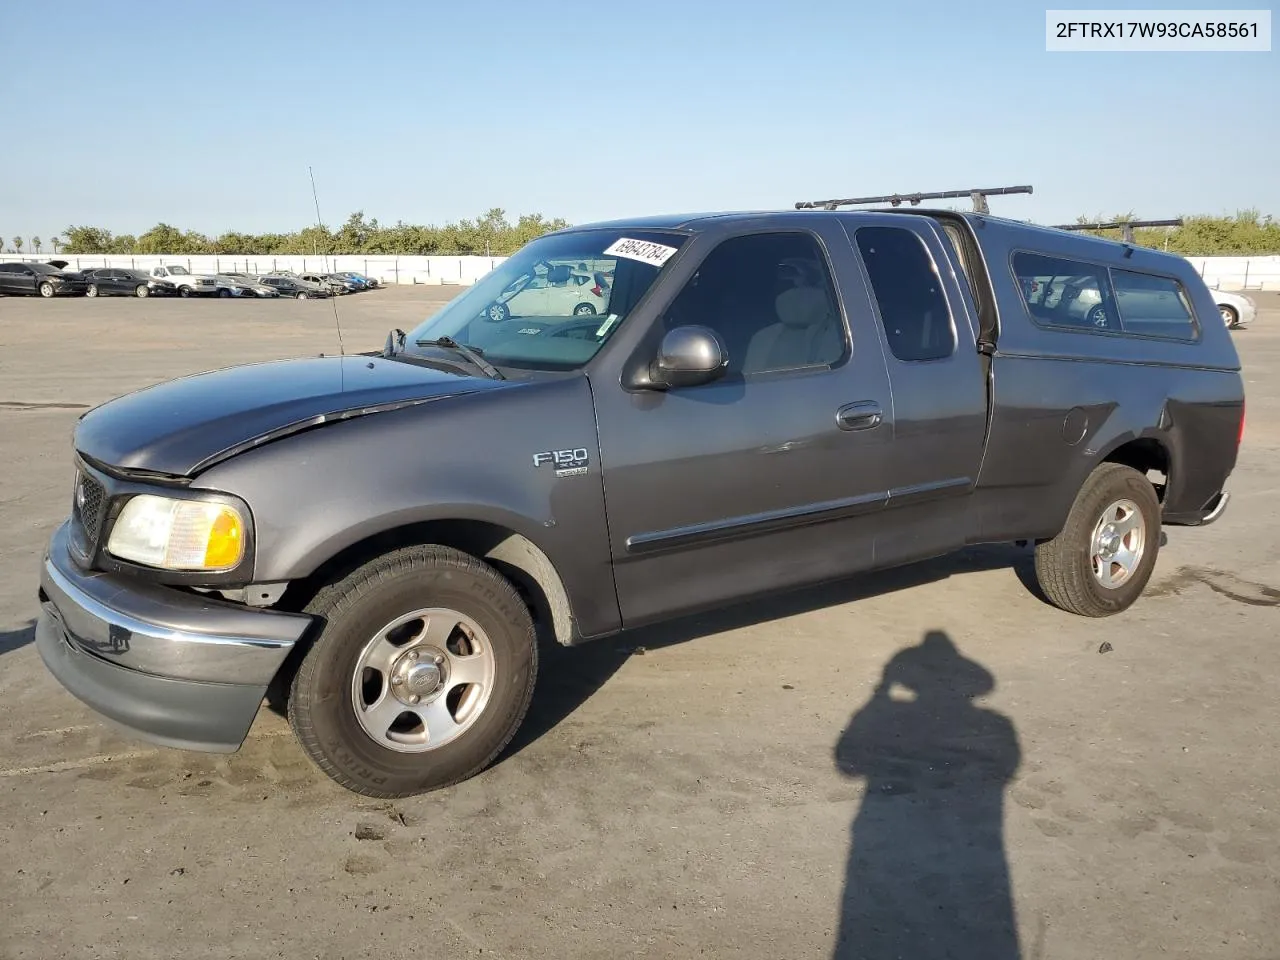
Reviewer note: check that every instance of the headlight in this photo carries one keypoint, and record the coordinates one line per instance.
(178, 534)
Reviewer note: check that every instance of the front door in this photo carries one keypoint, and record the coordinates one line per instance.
(771, 476)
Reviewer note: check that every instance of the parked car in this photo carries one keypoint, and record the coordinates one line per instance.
(296, 287)
(369, 283)
(41, 279)
(188, 283)
(550, 290)
(773, 400)
(242, 285)
(1236, 309)
(352, 283)
(123, 281)
(335, 287)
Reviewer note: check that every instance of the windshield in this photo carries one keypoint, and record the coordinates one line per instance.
(555, 302)
(178, 271)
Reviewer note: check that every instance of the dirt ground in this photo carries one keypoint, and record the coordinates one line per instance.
(732, 785)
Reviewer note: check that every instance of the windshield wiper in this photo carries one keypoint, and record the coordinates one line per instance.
(474, 354)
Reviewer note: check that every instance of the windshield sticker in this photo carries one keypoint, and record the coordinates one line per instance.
(652, 253)
(607, 325)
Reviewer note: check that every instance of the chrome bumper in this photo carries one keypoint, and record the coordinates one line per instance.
(174, 668)
(1203, 517)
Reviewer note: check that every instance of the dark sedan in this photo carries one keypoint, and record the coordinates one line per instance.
(296, 287)
(40, 278)
(122, 281)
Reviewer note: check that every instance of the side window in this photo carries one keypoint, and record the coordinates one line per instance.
(1153, 306)
(1065, 293)
(770, 298)
(913, 309)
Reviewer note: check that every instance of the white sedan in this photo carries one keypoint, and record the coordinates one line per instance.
(1237, 310)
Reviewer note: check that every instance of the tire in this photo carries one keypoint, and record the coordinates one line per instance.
(497, 313)
(184, 291)
(46, 289)
(584, 310)
(302, 295)
(324, 699)
(1066, 565)
(1229, 315)
(224, 292)
(1098, 316)
(92, 291)
(141, 290)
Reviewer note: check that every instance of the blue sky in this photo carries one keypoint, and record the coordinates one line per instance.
(125, 114)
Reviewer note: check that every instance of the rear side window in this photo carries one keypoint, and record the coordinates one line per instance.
(1065, 293)
(913, 309)
(1153, 306)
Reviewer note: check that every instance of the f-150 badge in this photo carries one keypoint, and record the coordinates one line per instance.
(568, 463)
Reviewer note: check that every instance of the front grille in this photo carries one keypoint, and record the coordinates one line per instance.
(87, 508)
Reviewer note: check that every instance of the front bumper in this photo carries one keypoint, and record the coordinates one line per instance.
(170, 667)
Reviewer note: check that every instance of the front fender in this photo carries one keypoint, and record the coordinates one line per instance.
(467, 457)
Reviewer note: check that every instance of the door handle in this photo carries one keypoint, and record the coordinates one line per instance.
(862, 415)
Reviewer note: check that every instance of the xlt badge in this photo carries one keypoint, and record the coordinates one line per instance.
(568, 463)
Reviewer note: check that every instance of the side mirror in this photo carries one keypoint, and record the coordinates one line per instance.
(688, 356)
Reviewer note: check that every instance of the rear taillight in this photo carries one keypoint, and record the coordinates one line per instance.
(1240, 435)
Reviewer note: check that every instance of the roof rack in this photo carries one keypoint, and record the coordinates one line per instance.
(1125, 227)
(977, 194)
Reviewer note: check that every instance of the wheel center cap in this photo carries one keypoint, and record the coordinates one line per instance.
(1108, 543)
(422, 678)
(419, 674)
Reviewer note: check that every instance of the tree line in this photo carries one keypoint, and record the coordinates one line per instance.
(1248, 233)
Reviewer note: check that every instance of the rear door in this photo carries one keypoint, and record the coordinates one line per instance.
(928, 323)
(8, 277)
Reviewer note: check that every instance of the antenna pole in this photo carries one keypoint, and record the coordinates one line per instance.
(332, 296)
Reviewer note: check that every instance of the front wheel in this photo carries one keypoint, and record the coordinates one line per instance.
(141, 290)
(92, 291)
(422, 674)
(184, 291)
(224, 292)
(1101, 561)
(302, 295)
(46, 289)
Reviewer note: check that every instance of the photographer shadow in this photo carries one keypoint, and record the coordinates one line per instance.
(927, 875)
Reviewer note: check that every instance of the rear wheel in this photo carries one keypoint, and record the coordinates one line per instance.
(1229, 315)
(1101, 561)
(422, 674)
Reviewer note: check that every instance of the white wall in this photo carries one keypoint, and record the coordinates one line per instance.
(1239, 273)
(1226, 273)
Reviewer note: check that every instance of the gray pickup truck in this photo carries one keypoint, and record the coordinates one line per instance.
(760, 402)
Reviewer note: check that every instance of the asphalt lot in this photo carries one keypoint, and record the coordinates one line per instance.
(719, 787)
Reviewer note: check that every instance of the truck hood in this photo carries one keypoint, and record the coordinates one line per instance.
(182, 426)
